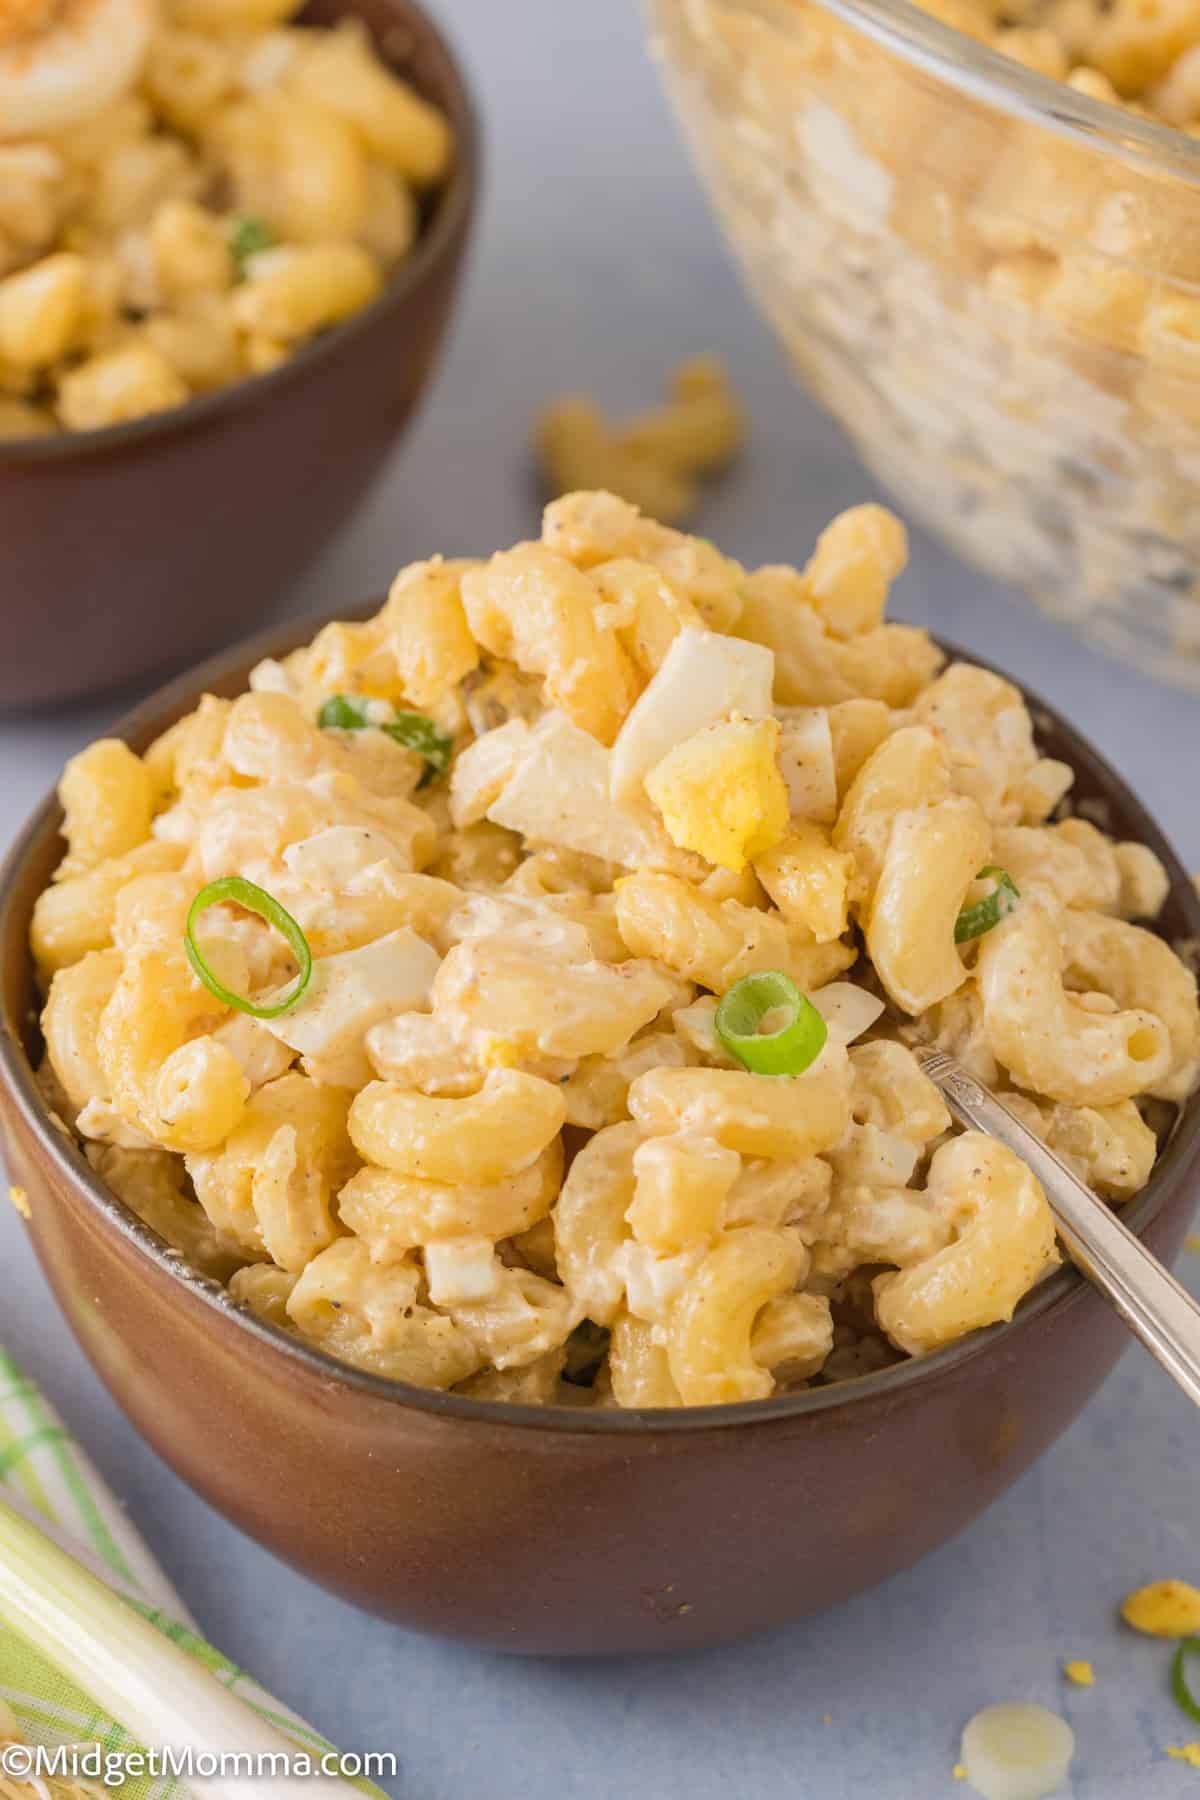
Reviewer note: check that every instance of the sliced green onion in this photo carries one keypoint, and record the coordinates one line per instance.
(795, 1031)
(418, 733)
(1190, 1646)
(973, 921)
(342, 712)
(249, 234)
(256, 900)
(160, 1692)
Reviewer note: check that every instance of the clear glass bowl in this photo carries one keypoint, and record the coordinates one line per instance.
(990, 279)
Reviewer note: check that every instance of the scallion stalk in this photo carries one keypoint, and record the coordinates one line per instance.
(160, 1694)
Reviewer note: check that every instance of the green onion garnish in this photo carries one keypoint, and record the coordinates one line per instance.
(149, 1677)
(341, 713)
(973, 921)
(413, 730)
(248, 235)
(769, 1025)
(256, 900)
(1190, 1646)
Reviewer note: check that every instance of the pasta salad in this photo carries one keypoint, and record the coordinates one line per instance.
(518, 992)
(187, 198)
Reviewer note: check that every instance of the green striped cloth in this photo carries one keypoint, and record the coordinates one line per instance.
(48, 1476)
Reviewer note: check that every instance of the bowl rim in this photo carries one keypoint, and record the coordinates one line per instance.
(453, 200)
(1066, 1286)
(996, 80)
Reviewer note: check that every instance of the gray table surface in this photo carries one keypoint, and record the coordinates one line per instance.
(597, 266)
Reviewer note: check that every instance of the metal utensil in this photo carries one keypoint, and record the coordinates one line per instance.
(1148, 1298)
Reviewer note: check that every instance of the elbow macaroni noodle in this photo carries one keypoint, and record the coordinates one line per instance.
(657, 460)
(498, 1145)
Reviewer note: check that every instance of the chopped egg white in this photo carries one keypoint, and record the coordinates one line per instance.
(483, 769)
(351, 992)
(331, 858)
(697, 1025)
(704, 677)
(877, 1159)
(1017, 1752)
(103, 1124)
(652, 1281)
(847, 1010)
(559, 794)
(807, 764)
(270, 677)
(460, 1270)
(262, 1056)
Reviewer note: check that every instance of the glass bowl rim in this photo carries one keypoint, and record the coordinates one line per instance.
(994, 79)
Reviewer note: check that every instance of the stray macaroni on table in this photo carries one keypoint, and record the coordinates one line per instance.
(658, 459)
(187, 198)
(517, 992)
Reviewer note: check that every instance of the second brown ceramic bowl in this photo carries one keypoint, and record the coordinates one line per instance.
(135, 548)
(553, 1530)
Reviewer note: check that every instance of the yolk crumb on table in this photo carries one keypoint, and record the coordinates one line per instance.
(1169, 1609)
(1080, 1672)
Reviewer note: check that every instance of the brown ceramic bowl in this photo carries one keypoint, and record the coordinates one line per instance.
(135, 548)
(553, 1530)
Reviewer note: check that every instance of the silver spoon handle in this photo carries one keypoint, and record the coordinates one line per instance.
(1148, 1298)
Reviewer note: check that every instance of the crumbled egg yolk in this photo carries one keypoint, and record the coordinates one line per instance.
(1169, 1609)
(1081, 1673)
(1192, 1242)
(1188, 1753)
(720, 792)
(20, 1200)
